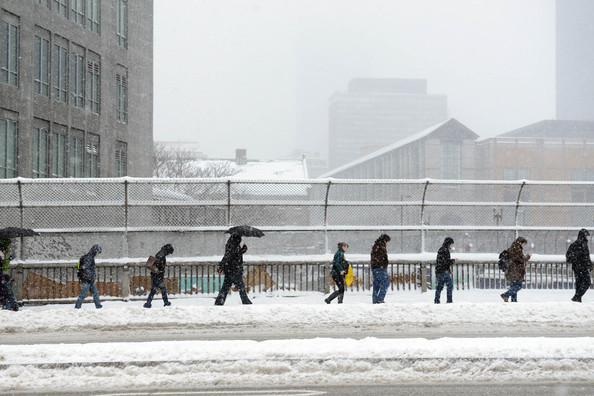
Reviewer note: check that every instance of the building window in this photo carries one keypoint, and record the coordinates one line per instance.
(61, 7)
(516, 174)
(77, 11)
(451, 160)
(92, 154)
(60, 71)
(93, 86)
(40, 152)
(8, 149)
(45, 3)
(76, 157)
(122, 22)
(94, 15)
(42, 62)
(122, 98)
(77, 82)
(9, 53)
(121, 159)
(58, 159)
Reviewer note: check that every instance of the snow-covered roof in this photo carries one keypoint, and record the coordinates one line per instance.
(272, 170)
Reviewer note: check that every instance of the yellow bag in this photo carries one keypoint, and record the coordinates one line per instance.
(348, 277)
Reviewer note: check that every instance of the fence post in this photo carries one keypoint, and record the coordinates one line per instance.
(326, 279)
(126, 283)
(423, 277)
(17, 275)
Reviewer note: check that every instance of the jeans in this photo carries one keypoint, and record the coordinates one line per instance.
(339, 281)
(444, 278)
(582, 283)
(86, 286)
(381, 282)
(156, 284)
(514, 287)
(230, 279)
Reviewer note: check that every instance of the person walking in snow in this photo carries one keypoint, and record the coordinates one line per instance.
(87, 263)
(578, 255)
(379, 268)
(157, 279)
(7, 300)
(232, 266)
(443, 270)
(340, 268)
(517, 269)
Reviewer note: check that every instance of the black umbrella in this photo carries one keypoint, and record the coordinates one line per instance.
(15, 232)
(245, 231)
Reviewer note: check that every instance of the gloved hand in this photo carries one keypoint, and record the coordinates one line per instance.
(244, 248)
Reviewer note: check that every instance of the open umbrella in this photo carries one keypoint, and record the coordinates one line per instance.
(245, 231)
(15, 232)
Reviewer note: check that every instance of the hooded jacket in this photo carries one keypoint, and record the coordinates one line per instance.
(88, 264)
(443, 262)
(232, 262)
(578, 254)
(161, 260)
(517, 261)
(379, 254)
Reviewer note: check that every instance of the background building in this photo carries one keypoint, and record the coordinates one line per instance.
(377, 112)
(76, 88)
(575, 60)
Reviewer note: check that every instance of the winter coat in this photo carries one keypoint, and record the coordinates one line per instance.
(339, 264)
(160, 263)
(443, 261)
(232, 262)
(379, 255)
(578, 254)
(517, 263)
(4, 255)
(88, 264)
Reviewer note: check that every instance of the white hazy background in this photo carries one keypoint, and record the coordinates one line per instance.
(258, 74)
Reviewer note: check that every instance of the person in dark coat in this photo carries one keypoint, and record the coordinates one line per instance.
(87, 262)
(232, 266)
(379, 268)
(516, 274)
(340, 268)
(443, 270)
(157, 280)
(7, 300)
(578, 255)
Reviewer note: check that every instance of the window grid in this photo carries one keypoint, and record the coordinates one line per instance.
(78, 80)
(122, 23)
(121, 159)
(122, 98)
(42, 62)
(61, 7)
(9, 53)
(60, 72)
(40, 152)
(76, 157)
(58, 160)
(8, 149)
(93, 86)
(77, 11)
(92, 155)
(94, 16)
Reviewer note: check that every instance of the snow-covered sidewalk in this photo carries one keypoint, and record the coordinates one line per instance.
(323, 344)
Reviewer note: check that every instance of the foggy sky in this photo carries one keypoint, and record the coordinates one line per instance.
(258, 74)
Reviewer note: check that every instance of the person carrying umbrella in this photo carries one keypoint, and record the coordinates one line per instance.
(4, 256)
(232, 266)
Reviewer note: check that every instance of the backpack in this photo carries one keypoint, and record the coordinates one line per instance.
(150, 264)
(503, 262)
(80, 271)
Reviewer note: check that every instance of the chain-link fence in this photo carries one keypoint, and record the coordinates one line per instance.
(134, 217)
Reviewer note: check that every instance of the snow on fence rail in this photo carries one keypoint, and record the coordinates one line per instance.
(57, 282)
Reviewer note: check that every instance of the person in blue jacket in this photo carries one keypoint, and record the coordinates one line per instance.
(87, 278)
(340, 268)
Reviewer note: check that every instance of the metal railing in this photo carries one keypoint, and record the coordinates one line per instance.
(58, 283)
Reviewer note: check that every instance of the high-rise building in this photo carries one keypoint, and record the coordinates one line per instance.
(376, 112)
(76, 88)
(575, 60)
